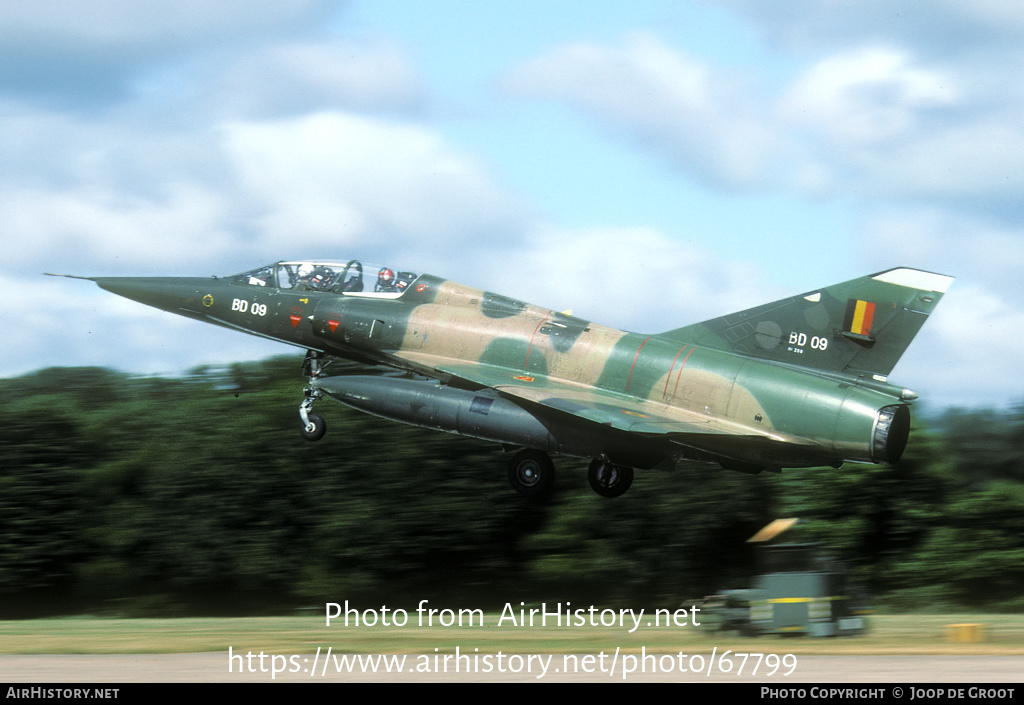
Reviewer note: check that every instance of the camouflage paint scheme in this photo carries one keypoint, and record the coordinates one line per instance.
(794, 383)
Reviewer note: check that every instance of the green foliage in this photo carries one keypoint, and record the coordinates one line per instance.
(982, 540)
(874, 517)
(985, 445)
(670, 540)
(191, 495)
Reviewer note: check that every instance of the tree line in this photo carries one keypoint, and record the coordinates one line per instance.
(197, 495)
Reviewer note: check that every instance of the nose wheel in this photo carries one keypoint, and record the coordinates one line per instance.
(313, 425)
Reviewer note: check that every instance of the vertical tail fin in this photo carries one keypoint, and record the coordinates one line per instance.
(863, 325)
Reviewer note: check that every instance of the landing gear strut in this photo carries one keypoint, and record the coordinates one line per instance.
(531, 473)
(609, 479)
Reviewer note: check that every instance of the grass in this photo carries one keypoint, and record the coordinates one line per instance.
(889, 634)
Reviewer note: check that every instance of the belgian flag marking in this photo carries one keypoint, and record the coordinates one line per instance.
(859, 315)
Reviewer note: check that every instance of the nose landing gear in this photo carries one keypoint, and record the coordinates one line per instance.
(313, 425)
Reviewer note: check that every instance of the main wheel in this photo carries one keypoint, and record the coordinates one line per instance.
(609, 479)
(531, 473)
(315, 429)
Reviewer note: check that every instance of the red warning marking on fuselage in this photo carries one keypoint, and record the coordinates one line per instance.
(295, 320)
(664, 393)
(333, 324)
(633, 366)
(680, 373)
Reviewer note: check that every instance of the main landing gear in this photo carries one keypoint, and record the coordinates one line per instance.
(609, 479)
(532, 474)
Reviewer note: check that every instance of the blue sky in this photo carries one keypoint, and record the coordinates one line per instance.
(647, 164)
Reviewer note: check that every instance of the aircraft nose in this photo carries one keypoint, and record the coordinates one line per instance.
(174, 294)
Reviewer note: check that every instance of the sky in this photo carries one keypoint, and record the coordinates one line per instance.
(646, 164)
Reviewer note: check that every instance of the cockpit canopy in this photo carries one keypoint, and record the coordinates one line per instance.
(352, 278)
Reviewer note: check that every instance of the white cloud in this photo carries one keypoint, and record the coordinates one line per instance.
(875, 120)
(662, 98)
(981, 162)
(995, 15)
(103, 229)
(112, 196)
(969, 351)
(967, 247)
(867, 96)
(299, 77)
(937, 27)
(635, 278)
(151, 22)
(888, 125)
(75, 54)
(338, 178)
(972, 352)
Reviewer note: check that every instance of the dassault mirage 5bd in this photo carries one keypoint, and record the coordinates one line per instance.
(798, 382)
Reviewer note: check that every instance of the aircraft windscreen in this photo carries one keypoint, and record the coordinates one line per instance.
(353, 278)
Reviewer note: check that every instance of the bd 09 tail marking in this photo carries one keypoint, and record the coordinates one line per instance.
(798, 382)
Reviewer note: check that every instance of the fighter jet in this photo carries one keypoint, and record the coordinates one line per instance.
(799, 382)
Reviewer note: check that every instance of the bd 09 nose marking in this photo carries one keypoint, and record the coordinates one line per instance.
(243, 306)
